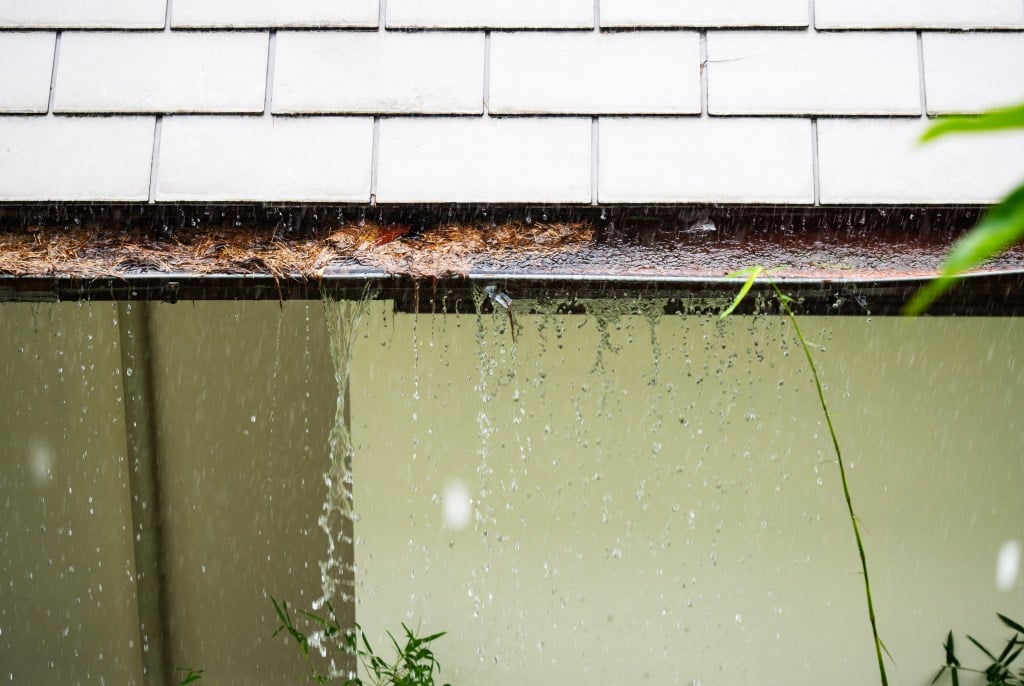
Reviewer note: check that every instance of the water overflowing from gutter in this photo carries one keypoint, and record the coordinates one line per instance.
(337, 570)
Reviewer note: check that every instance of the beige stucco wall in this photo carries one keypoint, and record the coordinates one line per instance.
(658, 517)
(687, 524)
(67, 595)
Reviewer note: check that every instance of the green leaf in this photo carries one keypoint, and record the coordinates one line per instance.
(1006, 651)
(981, 647)
(950, 651)
(1010, 623)
(191, 676)
(993, 120)
(1002, 226)
(751, 273)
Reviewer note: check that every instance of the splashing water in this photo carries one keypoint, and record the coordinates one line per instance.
(337, 571)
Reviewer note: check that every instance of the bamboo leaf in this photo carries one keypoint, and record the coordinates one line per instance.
(1001, 227)
(1006, 651)
(950, 650)
(1010, 623)
(981, 647)
(751, 273)
(993, 120)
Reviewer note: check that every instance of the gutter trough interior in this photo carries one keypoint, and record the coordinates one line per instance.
(837, 260)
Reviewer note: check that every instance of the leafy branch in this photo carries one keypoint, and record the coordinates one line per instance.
(785, 302)
(998, 673)
(414, 663)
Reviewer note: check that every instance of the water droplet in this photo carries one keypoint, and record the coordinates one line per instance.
(1008, 565)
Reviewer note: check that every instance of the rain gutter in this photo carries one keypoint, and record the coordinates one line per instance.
(840, 260)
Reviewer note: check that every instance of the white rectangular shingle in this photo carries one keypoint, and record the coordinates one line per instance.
(744, 160)
(655, 72)
(709, 13)
(274, 13)
(484, 160)
(27, 60)
(83, 14)
(918, 14)
(971, 72)
(880, 161)
(498, 14)
(178, 71)
(776, 72)
(75, 158)
(305, 159)
(430, 72)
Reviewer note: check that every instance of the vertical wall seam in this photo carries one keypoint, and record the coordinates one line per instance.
(487, 73)
(374, 156)
(597, 16)
(53, 72)
(154, 159)
(703, 73)
(814, 161)
(135, 330)
(268, 92)
(920, 74)
(167, 16)
(382, 16)
(811, 21)
(595, 132)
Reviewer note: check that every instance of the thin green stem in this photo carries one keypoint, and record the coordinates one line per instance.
(784, 302)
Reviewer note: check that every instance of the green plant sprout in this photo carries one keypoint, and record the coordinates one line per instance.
(998, 673)
(752, 274)
(1001, 227)
(191, 675)
(414, 663)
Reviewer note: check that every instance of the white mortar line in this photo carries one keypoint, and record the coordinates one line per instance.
(814, 161)
(155, 157)
(595, 131)
(703, 73)
(920, 75)
(271, 61)
(53, 73)
(487, 74)
(374, 156)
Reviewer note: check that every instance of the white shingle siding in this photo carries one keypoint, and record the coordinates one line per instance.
(301, 159)
(971, 72)
(274, 13)
(878, 161)
(428, 159)
(499, 14)
(595, 73)
(27, 62)
(498, 101)
(782, 72)
(75, 158)
(918, 14)
(83, 14)
(161, 72)
(709, 13)
(742, 160)
(394, 73)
